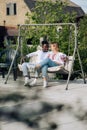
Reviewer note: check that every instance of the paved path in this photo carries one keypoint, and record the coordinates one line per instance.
(36, 108)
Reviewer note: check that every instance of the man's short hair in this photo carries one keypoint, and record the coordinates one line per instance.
(45, 42)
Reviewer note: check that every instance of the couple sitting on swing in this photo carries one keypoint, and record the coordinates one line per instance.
(45, 59)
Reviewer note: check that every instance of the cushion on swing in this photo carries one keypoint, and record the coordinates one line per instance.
(59, 69)
(62, 69)
(31, 67)
(55, 68)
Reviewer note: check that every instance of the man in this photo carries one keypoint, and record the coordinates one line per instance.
(41, 55)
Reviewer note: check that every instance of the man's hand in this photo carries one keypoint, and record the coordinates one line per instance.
(23, 59)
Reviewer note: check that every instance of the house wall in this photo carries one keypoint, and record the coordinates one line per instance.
(13, 20)
(22, 9)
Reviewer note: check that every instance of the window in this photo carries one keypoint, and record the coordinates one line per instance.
(11, 9)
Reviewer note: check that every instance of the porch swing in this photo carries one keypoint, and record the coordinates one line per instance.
(65, 70)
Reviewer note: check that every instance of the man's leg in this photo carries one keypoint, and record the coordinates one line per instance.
(25, 69)
(34, 82)
(25, 73)
(44, 75)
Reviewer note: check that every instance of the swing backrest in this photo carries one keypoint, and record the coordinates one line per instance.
(68, 63)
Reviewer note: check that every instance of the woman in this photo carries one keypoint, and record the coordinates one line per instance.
(41, 55)
(54, 58)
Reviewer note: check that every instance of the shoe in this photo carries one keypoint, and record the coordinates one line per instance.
(45, 84)
(33, 82)
(27, 81)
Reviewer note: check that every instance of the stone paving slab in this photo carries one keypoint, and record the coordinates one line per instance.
(71, 116)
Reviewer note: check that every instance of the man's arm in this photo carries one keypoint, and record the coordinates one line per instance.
(32, 54)
(23, 59)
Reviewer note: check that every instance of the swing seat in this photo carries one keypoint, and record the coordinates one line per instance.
(62, 69)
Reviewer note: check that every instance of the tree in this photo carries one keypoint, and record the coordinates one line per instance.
(82, 41)
(49, 12)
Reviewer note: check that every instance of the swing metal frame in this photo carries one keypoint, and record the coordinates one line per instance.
(76, 51)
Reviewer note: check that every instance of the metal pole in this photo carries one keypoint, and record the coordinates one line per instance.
(49, 24)
(81, 66)
(13, 57)
(75, 48)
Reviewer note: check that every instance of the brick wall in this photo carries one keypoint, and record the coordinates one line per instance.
(13, 20)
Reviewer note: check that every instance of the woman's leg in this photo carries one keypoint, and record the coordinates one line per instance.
(44, 71)
(44, 66)
(47, 62)
(44, 75)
